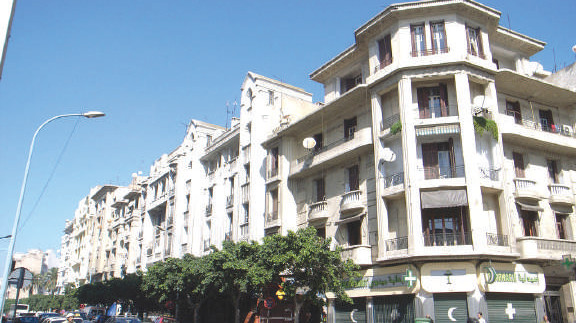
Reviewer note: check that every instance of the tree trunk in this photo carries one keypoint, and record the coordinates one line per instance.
(297, 308)
(236, 304)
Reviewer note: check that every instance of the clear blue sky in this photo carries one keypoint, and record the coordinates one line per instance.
(154, 65)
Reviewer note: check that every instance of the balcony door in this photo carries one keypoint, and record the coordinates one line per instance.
(529, 220)
(438, 160)
(433, 101)
(445, 226)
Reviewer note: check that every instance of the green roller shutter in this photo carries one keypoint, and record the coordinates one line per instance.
(351, 313)
(396, 309)
(450, 308)
(511, 308)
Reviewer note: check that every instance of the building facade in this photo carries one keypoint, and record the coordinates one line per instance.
(441, 161)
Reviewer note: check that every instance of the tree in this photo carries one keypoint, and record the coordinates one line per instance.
(236, 271)
(50, 280)
(312, 268)
(194, 290)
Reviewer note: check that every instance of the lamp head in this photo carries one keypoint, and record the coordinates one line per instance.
(93, 114)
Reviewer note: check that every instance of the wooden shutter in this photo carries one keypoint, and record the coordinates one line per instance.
(353, 178)
(423, 104)
(452, 157)
(469, 45)
(413, 34)
(443, 99)
(518, 164)
(320, 190)
(430, 160)
(479, 42)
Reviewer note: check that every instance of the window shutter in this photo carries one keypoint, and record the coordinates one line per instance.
(452, 157)
(413, 34)
(432, 38)
(430, 160)
(468, 40)
(423, 105)
(518, 164)
(479, 41)
(444, 99)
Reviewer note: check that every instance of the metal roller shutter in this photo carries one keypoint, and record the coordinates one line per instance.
(450, 307)
(516, 308)
(396, 309)
(351, 313)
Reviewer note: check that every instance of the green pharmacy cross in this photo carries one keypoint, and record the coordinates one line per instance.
(568, 262)
(410, 278)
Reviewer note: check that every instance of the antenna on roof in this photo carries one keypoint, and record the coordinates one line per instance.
(554, 55)
(227, 112)
(509, 25)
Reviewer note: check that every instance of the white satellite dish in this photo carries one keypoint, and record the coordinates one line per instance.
(309, 143)
(388, 155)
(574, 49)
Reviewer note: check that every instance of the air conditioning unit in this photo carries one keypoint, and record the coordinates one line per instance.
(567, 130)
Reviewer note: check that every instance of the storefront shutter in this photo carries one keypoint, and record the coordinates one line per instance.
(394, 309)
(450, 307)
(503, 307)
(351, 313)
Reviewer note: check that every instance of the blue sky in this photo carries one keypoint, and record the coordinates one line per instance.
(154, 65)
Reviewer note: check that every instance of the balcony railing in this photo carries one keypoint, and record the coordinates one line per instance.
(229, 200)
(560, 190)
(388, 122)
(324, 148)
(271, 217)
(442, 172)
(272, 173)
(435, 112)
(428, 52)
(397, 244)
(563, 130)
(209, 209)
(525, 188)
(543, 248)
(447, 239)
(383, 64)
(489, 173)
(394, 179)
(317, 210)
(493, 239)
(351, 201)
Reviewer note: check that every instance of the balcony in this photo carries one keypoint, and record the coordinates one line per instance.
(388, 122)
(542, 248)
(558, 137)
(352, 202)
(397, 244)
(436, 112)
(317, 211)
(332, 153)
(229, 201)
(526, 188)
(429, 52)
(447, 239)
(561, 194)
(272, 220)
(498, 240)
(209, 209)
(360, 254)
(245, 193)
(272, 174)
(490, 174)
(441, 172)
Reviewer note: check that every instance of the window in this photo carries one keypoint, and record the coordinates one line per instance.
(208, 140)
(319, 139)
(246, 209)
(385, 51)
(433, 101)
(553, 172)
(474, 40)
(445, 226)
(270, 97)
(273, 206)
(438, 160)
(439, 43)
(320, 189)
(518, 164)
(561, 225)
(321, 232)
(247, 170)
(273, 162)
(513, 109)
(349, 128)
(350, 82)
(418, 40)
(546, 121)
(354, 233)
(529, 220)
(353, 179)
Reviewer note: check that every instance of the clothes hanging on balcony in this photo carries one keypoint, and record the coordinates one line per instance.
(443, 199)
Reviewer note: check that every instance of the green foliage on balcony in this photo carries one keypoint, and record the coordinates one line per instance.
(482, 124)
(396, 127)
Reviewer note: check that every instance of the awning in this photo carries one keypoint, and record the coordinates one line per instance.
(562, 209)
(529, 207)
(438, 130)
(351, 219)
(443, 198)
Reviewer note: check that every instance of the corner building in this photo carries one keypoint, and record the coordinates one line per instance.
(442, 162)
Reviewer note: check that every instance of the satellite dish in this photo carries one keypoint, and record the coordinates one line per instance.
(388, 155)
(574, 49)
(309, 143)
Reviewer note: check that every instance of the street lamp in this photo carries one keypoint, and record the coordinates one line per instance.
(9, 254)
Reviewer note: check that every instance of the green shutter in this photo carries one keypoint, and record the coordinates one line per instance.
(397, 309)
(521, 304)
(449, 307)
(344, 312)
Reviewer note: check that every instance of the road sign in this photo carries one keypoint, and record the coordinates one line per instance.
(269, 303)
(21, 277)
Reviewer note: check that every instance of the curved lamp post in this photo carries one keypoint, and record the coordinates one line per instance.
(9, 254)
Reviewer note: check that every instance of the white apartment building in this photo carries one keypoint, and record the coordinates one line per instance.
(442, 162)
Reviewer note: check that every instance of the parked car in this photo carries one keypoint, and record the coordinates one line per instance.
(27, 319)
(123, 319)
(43, 316)
(164, 319)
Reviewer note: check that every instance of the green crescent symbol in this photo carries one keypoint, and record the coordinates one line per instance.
(489, 274)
